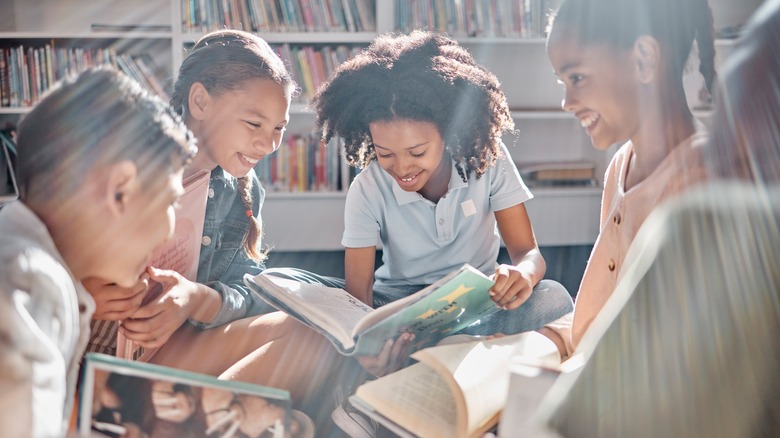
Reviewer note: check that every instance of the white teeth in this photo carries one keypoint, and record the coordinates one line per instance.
(587, 121)
(250, 160)
(407, 179)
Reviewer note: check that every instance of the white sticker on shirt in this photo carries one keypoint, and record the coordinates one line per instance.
(468, 208)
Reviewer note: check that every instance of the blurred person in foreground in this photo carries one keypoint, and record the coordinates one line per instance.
(687, 345)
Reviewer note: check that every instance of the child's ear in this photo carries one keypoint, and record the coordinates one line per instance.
(198, 101)
(122, 185)
(647, 56)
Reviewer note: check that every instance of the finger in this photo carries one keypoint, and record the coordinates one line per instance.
(400, 351)
(153, 333)
(131, 302)
(519, 299)
(161, 275)
(113, 315)
(150, 309)
(500, 278)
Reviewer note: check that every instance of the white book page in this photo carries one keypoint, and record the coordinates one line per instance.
(481, 370)
(332, 309)
(416, 398)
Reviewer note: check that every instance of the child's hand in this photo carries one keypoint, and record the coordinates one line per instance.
(391, 358)
(512, 287)
(154, 323)
(113, 302)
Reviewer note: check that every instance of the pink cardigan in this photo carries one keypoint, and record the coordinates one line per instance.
(622, 213)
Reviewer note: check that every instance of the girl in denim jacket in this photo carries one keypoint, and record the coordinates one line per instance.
(234, 94)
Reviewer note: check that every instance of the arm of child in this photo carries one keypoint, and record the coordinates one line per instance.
(514, 283)
(359, 272)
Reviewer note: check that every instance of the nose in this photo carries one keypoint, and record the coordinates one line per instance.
(402, 166)
(568, 102)
(266, 143)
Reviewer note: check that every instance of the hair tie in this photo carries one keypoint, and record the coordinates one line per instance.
(249, 213)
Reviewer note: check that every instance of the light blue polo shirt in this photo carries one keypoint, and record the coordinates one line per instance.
(423, 241)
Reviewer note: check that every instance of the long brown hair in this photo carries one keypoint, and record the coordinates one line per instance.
(223, 61)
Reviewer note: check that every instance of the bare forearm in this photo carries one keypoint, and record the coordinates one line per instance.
(532, 263)
(206, 303)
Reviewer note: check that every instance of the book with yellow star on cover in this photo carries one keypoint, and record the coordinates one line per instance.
(353, 327)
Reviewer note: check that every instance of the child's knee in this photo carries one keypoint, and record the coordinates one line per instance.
(554, 296)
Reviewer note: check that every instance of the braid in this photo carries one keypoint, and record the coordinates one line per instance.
(705, 40)
(255, 231)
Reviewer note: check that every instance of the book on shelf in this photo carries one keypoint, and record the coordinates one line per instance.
(28, 71)
(455, 390)
(9, 191)
(432, 313)
(127, 398)
(558, 173)
(519, 19)
(181, 253)
(279, 15)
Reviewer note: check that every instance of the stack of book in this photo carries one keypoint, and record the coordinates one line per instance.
(559, 174)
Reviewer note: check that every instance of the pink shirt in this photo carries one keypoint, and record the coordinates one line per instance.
(622, 213)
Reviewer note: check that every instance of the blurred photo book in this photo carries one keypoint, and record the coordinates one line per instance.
(181, 253)
(456, 390)
(353, 327)
(129, 398)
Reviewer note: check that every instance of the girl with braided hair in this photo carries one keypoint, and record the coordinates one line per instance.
(234, 94)
(621, 63)
(437, 187)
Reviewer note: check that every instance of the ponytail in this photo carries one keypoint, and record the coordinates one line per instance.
(705, 40)
(255, 230)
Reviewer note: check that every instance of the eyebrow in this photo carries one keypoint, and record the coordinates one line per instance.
(410, 147)
(567, 67)
(262, 117)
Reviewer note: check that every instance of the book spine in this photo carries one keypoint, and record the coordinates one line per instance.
(5, 92)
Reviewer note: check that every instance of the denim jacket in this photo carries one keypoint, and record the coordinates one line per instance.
(223, 261)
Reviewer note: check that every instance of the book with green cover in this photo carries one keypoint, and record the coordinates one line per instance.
(131, 398)
(439, 310)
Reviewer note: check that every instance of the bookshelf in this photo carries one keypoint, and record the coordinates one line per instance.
(300, 221)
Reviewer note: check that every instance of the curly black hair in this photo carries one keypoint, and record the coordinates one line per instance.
(422, 76)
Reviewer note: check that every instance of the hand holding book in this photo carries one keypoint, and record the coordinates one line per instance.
(393, 356)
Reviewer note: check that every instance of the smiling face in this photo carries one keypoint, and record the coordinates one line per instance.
(237, 128)
(601, 88)
(412, 152)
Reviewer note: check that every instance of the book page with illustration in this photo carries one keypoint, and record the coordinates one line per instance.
(131, 398)
(432, 313)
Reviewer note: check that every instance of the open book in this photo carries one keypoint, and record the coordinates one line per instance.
(432, 313)
(130, 398)
(455, 390)
(181, 253)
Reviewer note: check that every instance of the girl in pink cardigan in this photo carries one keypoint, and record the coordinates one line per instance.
(621, 62)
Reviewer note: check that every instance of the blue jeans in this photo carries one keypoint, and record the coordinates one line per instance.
(548, 302)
